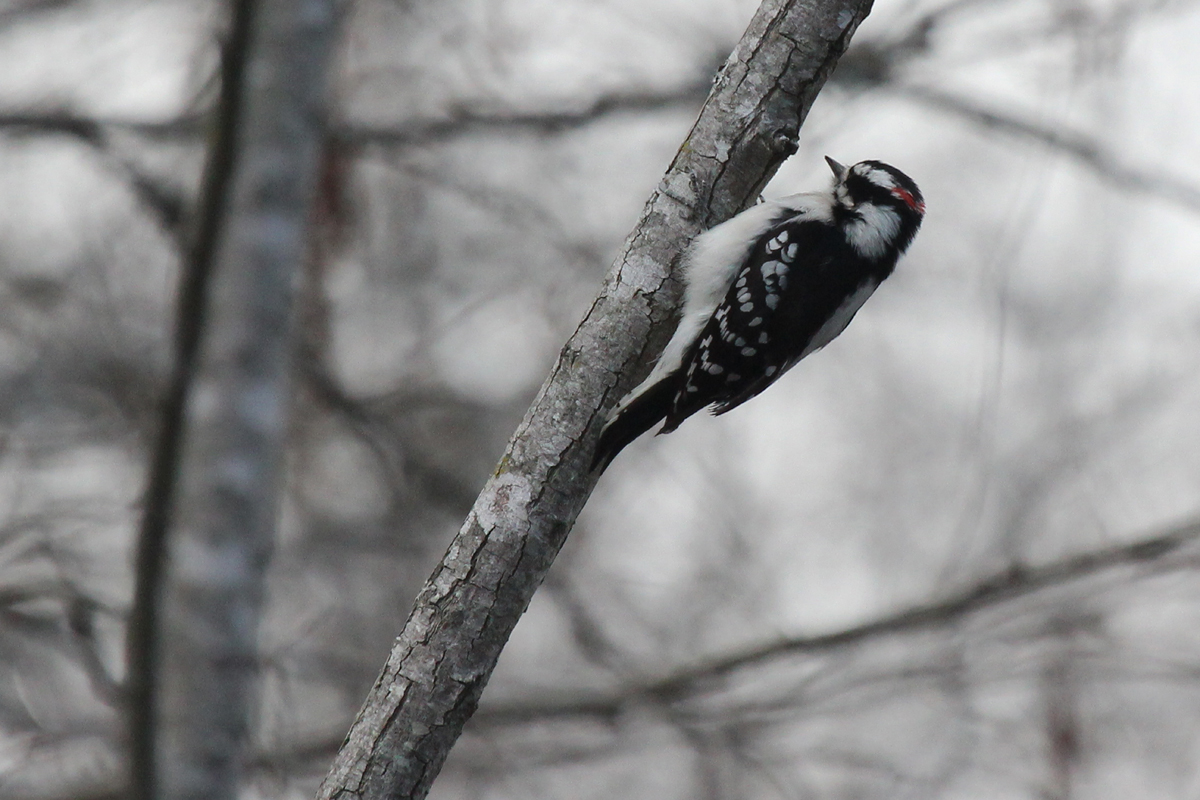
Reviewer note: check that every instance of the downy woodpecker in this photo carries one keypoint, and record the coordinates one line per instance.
(766, 288)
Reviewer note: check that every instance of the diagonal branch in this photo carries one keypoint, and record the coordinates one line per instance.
(463, 617)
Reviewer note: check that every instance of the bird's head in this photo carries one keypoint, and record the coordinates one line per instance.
(880, 206)
(878, 183)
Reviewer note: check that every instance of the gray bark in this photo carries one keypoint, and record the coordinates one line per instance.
(236, 409)
(463, 616)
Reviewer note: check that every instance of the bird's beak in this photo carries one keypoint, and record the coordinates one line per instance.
(839, 171)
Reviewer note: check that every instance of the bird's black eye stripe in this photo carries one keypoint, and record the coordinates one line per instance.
(862, 189)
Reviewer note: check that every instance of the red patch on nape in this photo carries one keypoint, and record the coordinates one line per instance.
(906, 196)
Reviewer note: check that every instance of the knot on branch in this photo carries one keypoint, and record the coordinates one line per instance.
(785, 141)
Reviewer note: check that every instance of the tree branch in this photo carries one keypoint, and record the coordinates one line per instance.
(464, 615)
(990, 592)
(1075, 144)
(166, 204)
(466, 121)
(458, 121)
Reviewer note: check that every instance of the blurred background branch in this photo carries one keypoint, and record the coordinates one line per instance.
(711, 677)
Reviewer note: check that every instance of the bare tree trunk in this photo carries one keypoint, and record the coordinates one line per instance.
(462, 618)
(142, 637)
(224, 466)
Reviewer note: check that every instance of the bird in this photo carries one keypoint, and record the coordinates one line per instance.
(765, 289)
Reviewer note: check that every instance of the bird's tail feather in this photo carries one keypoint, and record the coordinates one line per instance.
(642, 414)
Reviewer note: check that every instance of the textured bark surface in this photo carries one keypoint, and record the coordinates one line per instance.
(235, 421)
(463, 616)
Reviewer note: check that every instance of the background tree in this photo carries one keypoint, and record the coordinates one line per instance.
(213, 481)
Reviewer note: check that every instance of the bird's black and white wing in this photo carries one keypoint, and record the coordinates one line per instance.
(715, 262)
(796, 292)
